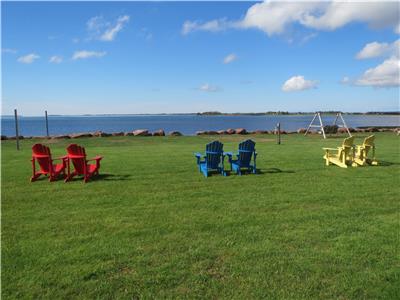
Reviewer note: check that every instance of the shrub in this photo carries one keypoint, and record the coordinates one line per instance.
(330, 129)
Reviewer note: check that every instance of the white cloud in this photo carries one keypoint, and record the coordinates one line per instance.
(8, 50)
(397, 29)
(273, 17)
(103, 30)
(309, 37)
(345, 80)
(87, 54)
(230, 58)
(95, 23)
(340, 13)
(208, 88)
(146, 34)
(213, 26)
(298, 83)
(110, 33)
(376, 49)
(28, 59)
(387, 74)
(55, 59)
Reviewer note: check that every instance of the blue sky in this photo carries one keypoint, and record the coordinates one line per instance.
(156, 57)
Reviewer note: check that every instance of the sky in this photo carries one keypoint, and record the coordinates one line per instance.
(181, 57)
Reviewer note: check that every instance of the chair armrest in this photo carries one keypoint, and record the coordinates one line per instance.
(199, 155)
(61, 157)
(229, 154)
(95, 158)
(329, 149)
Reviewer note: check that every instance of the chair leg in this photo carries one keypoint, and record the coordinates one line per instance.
(69, 177)
(34, 177)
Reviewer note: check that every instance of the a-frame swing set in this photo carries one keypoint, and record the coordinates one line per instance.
(317, 116)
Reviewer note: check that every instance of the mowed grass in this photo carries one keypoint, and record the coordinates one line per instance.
(151, 226)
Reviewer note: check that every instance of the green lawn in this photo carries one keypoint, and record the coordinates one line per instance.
(153, 227)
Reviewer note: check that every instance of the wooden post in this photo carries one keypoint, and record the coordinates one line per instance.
(278, 138)
(322, 126)
(311, 124)
(47, 124)
(16, 128)
(344, 124)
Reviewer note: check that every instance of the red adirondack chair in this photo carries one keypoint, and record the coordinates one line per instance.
(41, 154)
(77, 155)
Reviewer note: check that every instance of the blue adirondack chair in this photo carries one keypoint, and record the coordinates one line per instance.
(213, 159)
(243, 157)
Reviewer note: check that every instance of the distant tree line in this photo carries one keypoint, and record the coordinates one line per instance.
(328, 112)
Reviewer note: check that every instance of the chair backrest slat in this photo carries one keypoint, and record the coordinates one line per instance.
(77, 155)
(348, 142)
(42, 155)
(246, 150)
(214, 152)
(369, 141)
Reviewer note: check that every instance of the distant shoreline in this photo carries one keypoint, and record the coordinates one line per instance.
(216, 113)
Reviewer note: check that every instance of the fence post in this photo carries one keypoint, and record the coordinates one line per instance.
(47, 124)
(16, 128)
(278, 138)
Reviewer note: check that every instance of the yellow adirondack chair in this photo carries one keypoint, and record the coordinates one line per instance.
(344, 154)
(361, 155)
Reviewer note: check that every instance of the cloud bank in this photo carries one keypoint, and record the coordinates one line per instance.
(387, 73)
(274, 17)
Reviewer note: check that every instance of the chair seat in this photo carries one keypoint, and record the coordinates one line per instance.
(91, 168)
(240, 163)
(77, 158)
(244, 157)
(58, 167)
(213, 159)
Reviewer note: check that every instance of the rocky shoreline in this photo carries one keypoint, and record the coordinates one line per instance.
(230, 131)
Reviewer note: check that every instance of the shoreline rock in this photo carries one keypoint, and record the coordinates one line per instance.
(60, 137)
(240, 131)
(229, 131)
(80, 135)
(159, 132)
(175, 133)
(141, 132)
(117, 134)
(101, 134)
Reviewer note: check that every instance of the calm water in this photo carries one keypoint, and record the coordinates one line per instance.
(187, 124)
